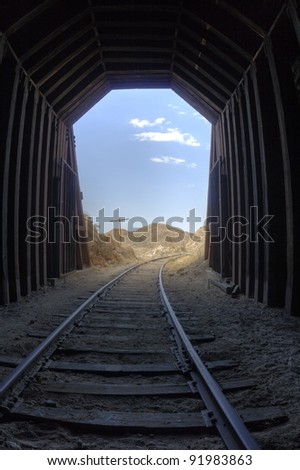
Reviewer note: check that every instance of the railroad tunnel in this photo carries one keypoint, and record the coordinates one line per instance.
(236, 62)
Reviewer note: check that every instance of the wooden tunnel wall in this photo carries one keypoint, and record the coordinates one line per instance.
(39, 188)
(255, 164)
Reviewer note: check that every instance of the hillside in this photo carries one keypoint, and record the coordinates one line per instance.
(150, 242)
(156, 240)
(105, 254)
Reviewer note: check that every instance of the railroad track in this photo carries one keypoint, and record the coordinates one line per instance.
(123, 362)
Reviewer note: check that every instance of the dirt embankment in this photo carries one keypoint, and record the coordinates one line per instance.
(146, 243)
(106, 250)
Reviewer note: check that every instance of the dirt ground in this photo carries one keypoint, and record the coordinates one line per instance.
(265, 342)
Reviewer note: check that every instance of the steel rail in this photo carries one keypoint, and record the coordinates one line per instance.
(226, 419)
(34, 355)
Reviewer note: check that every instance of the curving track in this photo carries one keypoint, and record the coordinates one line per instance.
(122, 362)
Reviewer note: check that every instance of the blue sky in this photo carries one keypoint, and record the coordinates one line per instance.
(145, 152)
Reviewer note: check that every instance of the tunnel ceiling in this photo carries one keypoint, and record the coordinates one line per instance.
(76, 52)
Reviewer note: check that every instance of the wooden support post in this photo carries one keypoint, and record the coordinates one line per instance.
(5, 191)
(246, 181)
(264, 182)
(2, 46)
(226, 194)
(239, 210)
(292, 13)
(58, 247)
(30, 246)
(37, 196)
(286, 177)
(233, 194)
(44, 189)
(50, 199)
(25, 225)
(254, 247)
(15, 193)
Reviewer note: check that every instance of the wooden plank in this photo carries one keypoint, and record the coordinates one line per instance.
(240, 17)
(33, 133)
(288, 187)
(123, 60)
(258, 418)
(194, 65)
(56, 68)
(264, 185)
(74, 82)
(134, 8)
(16, 192)
(120, 316)
(294, 17)
(9, 361)
(44, 187)
(100, 89)
(57, 50)
(125, 307)
(71, 72)
(218, 34)
(138, 421)
(241, 211)
(115, 421)
(124, 302)
(118, 326)
(221, 365)
(236, 385)
(119, 390)
(232, 190)
(211, 104)
(12, 115)
(36, 182)
(88, 349)
(111, 336)
(245, 185)
(132, 24)
(123, 49)
(68, 108)
(196, 77)
(239, 190)
(254, 247)
(163, 368)
(203, 57)
(50, 36)
(40, 9)
(202, 338)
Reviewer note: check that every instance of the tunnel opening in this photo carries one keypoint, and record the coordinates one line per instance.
(153, 149)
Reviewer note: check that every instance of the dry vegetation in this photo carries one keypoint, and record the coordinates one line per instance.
(105, 254)
(146, 243)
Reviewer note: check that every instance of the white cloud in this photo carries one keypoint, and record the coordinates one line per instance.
(172, 135)
(145, 123)
(174, 161)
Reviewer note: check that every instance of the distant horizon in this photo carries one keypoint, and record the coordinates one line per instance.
(147, 153)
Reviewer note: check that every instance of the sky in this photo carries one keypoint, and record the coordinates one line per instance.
(143, 153)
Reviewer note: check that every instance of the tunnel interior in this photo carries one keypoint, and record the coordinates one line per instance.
(237, 63)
